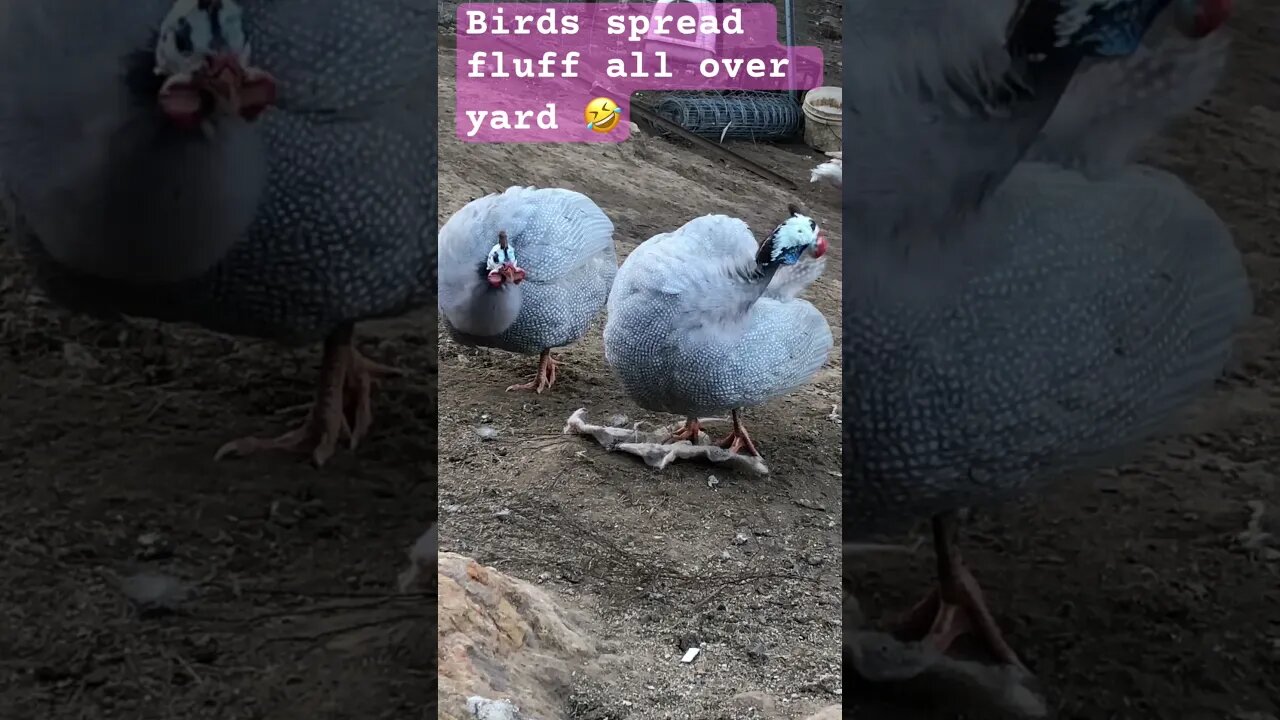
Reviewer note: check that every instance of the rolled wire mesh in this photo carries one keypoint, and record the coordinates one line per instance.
(740, 115)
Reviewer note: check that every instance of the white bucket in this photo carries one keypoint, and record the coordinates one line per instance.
(823, 110)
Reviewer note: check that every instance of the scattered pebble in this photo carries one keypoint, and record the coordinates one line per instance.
(713, 482)
(755, 700)
(153, 592)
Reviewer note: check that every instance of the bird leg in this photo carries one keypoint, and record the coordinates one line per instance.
(738, 440)
(545, 378)
(691, 431)
(957, 606)
(342, 408)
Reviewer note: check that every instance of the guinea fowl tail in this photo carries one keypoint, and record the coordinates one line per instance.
(1114, 106)
(804, 351)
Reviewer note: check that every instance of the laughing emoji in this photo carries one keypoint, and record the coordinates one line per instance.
(602, 115)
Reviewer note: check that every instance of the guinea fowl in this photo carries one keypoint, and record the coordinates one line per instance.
(1011, 322)
(566, 265)
(145, 178)
(703, 321)
(831, 171)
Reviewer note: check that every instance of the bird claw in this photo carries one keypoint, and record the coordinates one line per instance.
(344, 410)
(739, 441)
(545, 378)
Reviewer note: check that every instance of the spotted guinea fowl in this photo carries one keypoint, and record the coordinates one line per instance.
(1011, 322)
(564, 247)
(704, 321)
(148, 177)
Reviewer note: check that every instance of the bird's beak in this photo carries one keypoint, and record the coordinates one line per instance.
(820, 248)
(238, 90)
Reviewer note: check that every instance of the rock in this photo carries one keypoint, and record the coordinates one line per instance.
(500, 637)
(486, 709)
(831, 712)
(754, 700)
(829, 27)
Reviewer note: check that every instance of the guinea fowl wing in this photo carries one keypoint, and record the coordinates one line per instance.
(1111, 108)
(553, 231)
(1001, 387)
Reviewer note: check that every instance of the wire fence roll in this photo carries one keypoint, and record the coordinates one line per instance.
(738, 115)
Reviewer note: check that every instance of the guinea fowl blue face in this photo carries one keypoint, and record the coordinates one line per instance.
(204, 55)
(788, 242)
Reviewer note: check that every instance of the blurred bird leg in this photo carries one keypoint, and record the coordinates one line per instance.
(956, 607)
(873, 548)
(738, 440)
(545, 378)
(342, 408)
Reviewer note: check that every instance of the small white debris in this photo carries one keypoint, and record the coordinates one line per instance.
(152, 592)
(504, 512)
(1254, 539)
(422, 556)
(741, 538)
(486, 418)
(487, 432)
(75, 355)
(712, 481)
(834, 415)
(618, 421)
(690, 654)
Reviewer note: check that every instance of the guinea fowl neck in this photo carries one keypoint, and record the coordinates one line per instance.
(165, 203)
(756, 277)
(490, 310)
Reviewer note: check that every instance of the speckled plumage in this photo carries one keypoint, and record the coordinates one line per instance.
(1002, 339)
(562, 240)
(695, 328)
(341, 228)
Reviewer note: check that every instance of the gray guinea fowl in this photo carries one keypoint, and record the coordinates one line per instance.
(703, 320)
(154, 168)
(1014, 318)
(566, 258)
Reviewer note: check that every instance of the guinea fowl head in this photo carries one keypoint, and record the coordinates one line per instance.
(507, 275)
(788, 242)
(203, 55)
(1199, 18)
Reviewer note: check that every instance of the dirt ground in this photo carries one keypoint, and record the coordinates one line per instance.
(748, 569)
(106, 470)
(1135, 595)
